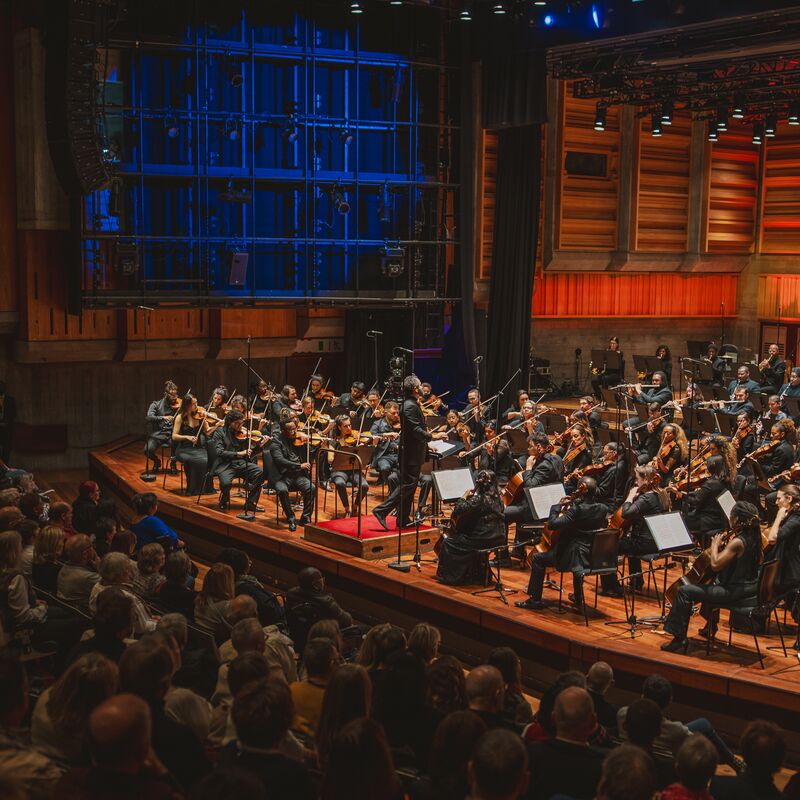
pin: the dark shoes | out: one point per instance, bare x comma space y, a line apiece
612, 593
381, 520
304, 520
530, 604
254, 509
676, 646
173, 468
705, 633
292, 524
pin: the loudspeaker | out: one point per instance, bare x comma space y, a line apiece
238, 272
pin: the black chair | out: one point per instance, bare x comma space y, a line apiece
603, 560
300, 618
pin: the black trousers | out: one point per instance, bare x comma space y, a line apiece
539, 564
681, 612
298, 483
343, 480
195, 464
402, 496
630, 547
425, 484
385, 466
253, 476
155, 441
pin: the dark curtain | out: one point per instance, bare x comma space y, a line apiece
397, 326
516, 228
514, 88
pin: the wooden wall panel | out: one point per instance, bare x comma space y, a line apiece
662, 199
587, 206
732, 191
260, 323
488, 193
779, 297
780, 231
168, 323
646, 295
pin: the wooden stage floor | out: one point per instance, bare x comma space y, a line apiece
729, 682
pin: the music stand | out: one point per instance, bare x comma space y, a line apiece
451, 484
542, 498
707, 421
553, 423
701, 371
612, 360
641, 411
755, 373
653, 364
598, 358
690, 420
640, 363
720, 393
697, 349
442, 448
606, 436
517, 441
726, 502
609, 397
671, 535
759, 401
434, 421
727, 424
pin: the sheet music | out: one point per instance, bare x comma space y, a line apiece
669, 531
452, 483
542, 498
726, 503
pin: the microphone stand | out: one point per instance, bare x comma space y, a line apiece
477, 362
499, 398
147, 476
374, 336
248, 516
399, 565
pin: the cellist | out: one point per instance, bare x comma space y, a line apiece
735, 559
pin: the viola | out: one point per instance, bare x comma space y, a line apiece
355, 439
570, 456
549, 538
617, 521
301, 439
760, 452
324, 394
315, 418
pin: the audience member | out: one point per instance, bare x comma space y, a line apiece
104, 530
147, 527
148, 576
369, 645
59, 725
628, 774
47, 549
424, 641
146, 669
27, 530
116, 569
60, 515
212, 604
320, 659
123, 542
447, 690
485, 692
124, 766
599, 679
695, 766
360, 765
262, 713
498, 769
31, 769
567, 764
270, 611
643, 723
79, 574
328, 629
31, 506
174, 593
543, 725
113, 625
308, 602
763, 747
516, 709
10, 517
84, 507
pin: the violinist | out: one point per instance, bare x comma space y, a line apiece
189, 431
773, 414
345, 440
649, 435
671, 452
431, 401
262, 405
514, 413
604, 377
233, 460
286, 399
702, 512
773, 369
354, 401
527, 416
784, 541
779, 458
309, 419
476, 524
458, 431
475, 415
496, 456
215, 416
644, 499
290, 471
612, 482
542, 466
575, 519
578, 454
160, 416
386, 458
373, 410
586, 405
319, 392
735, 559
743, 440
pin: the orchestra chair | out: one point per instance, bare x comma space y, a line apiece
180, 476
763, 604
603, 560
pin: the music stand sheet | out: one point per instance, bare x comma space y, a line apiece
444, 447
542, 498
451, 484
669, 531
726, 503
609, 397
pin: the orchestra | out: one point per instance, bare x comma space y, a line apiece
636, 469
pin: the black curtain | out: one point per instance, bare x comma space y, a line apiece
514, 87
397, 326
516, 229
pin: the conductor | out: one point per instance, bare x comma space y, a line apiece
414, 438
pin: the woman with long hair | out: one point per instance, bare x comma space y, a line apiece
189, 432
672, 451
476, 524
700, 507
211, 605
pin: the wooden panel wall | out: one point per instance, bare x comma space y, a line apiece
662, 208
779, 297
8, 190
651, 294
732, 191
587, 206
487, 195
780, 230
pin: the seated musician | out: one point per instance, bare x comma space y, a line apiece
613, 481
290, 471
742, 379
743, 440
315, 386
644, 499
739, 403
783, 543
475, 415
773, 369
263, 401
791, 389
649, 435
576, 456
586, 405
476, 524
286, 399
309, 419
778, 458
233, 461
736, 566
671, 453
665, 357
496, 456
542, 467
189, 431
353, 402
660, 393
702, 512
773, 414
574, 519
603, 376
372, 411
514, 413
528, 423
343, 479
438, 406
160, 416
386, 458
717, 364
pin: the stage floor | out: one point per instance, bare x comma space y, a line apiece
729, 681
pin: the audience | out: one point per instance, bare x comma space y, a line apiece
123, 542
644, 723
320, 660
447, 689
174, 594
48, 546
485, 690
270, 611
424, 641
695, 766
498, 768
599, 679
147, 527
31, 506
516, 709
308, 602
60, 515
212, 604
116, 569
84, 507
79, 575
628, 774
113, 626
348, 696
27, 530
148, 577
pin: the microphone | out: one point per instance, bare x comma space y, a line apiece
477, 359
146, 308
373, 334
404, 350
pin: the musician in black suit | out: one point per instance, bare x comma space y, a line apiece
8, 415
475, 415
650, 434
778, 460
233, 461
386, 458
773, 368
612, 483
160, 416
354, 401
784, 541
791, 389
414, 438
291, 472
742, 379
574, 522
542, 467
660, 393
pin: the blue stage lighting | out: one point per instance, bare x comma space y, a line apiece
595, 15
549, 19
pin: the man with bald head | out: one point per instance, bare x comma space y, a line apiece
124, 765
599, 679
485, 690
567, 764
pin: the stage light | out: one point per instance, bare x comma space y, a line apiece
499, 8
289, 132
540, 2
339, 203
794, 113
235, 77
171, 127
655, 125
465, 16
356, 7
713, 132
595, 16
771, 126
758, 132
722, 119
549, 19
600, 117
738, 107
346, 135
395, 2
232, 130
666, 112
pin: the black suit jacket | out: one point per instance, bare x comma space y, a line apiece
574, 543
284, 459
9, 410
226, 447
550, 469
385, 447
414, 436
774, 373
155, 415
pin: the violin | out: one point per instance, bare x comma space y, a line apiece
325, 394
570, 456
741, 434
301, 439
760, 452
175, 404
355, 439
256, 437
617, 521
591, 470
549, 538
316, 418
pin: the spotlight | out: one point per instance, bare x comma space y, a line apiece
549, 19
794, 113
758, 132
771, 126
666, 112
171, 127
232, 130
392, 259
655, 125
395, 2
346, 135
713, 132
600, 117
465, 16
499, 8
356, 7
540, 2
595, 15
738, 107
722, 119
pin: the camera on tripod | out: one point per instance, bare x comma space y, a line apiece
394, 384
